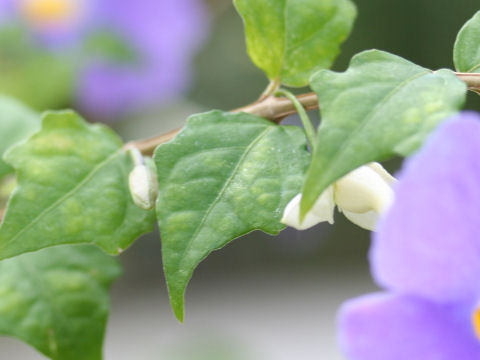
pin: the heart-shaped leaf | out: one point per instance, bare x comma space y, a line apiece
223, 176
72, 188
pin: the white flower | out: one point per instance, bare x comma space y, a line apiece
362, 195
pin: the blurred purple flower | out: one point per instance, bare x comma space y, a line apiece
162, 34
427, 254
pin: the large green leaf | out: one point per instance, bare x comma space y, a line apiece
466, 52
223, 176
17, 122
291, 39
56, 300
72, 188
382, 105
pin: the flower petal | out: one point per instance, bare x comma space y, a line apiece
389, 327
322, 211
428, 244
367, 220
364, 189
164, 34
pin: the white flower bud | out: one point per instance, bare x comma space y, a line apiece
362, 195
142, 181
143, 187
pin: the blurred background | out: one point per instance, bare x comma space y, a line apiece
143, 66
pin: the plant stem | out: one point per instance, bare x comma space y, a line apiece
271, 108
472, 80
276, 109
307, 123
270, 90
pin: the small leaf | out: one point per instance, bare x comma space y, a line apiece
56, 300
290, 40
17, 122
381, 106
72, 188
466, 51
223, 176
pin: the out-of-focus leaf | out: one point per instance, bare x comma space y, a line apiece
72, 188
381, 106
56, 300
17, 122
108, 45
290, 40
223, 176
33, 75
466, 52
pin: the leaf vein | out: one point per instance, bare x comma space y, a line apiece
65, 196
222, 191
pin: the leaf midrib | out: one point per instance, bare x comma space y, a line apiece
366, 121
474, 68
220, 194
62, 198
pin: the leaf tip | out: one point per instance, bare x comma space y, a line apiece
305, 207
178, 308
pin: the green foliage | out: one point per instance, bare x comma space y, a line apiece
72, 188
33, 75
108, 45
466, 52
381, 106
290, 40
223, 176
17, 122
56, 300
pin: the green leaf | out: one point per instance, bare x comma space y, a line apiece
41, 78
17, 122
56, 300
290, 40
72, 188
223, 176
466, 52
381, 106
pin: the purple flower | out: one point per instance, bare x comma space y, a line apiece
163, 35
426, 253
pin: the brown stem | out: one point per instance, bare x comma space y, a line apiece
276, 109
472, 80
271, 108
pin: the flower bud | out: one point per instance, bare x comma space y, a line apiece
143, 187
